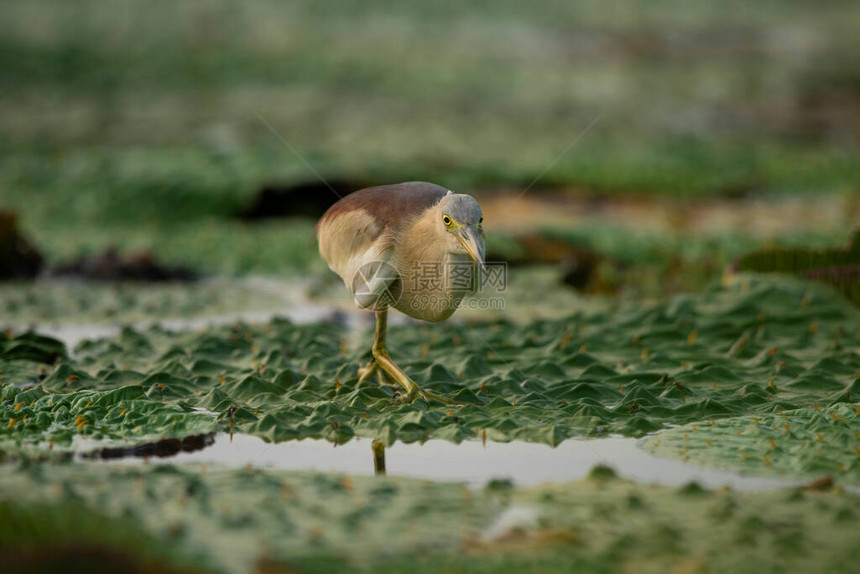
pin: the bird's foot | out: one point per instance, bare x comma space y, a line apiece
389, 373
418, 393
409, 390
367, 372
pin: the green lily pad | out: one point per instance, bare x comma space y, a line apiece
754, 349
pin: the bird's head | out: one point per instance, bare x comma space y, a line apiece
460, 221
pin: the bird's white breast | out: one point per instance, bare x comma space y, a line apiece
429, 292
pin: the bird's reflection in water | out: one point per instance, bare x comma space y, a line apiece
378, 457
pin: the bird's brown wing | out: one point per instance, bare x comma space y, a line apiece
388, 205
360, 228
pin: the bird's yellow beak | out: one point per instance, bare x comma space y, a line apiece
473, 243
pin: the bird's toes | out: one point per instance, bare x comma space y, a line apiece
404, 397
401, 396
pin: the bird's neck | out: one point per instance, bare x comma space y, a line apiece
422, 242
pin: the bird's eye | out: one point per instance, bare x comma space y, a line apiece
480, 221
446, 220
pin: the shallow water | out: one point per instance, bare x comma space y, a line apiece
471, 461
73, 334
296, 306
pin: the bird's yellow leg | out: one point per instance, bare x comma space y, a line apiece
384, 362
366, 372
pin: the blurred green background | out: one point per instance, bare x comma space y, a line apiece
658, 143
142, 125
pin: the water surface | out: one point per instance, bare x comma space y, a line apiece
525, 464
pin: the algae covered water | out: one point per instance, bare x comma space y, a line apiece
750, 386
774, 360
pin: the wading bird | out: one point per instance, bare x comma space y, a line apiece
412, 246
